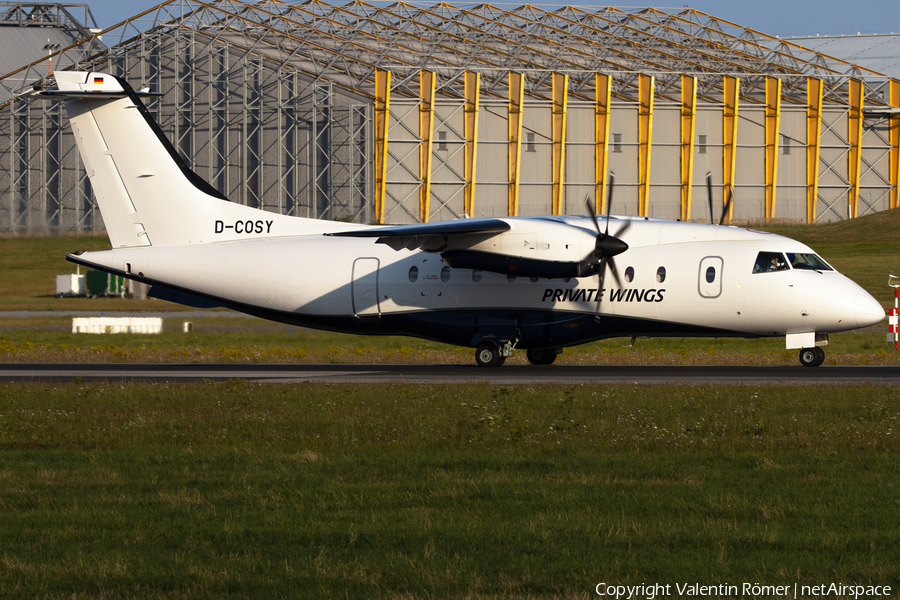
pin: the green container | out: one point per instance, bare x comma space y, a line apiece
98, 283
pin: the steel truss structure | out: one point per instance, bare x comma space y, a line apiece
413, 112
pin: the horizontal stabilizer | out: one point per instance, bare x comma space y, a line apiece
60, 95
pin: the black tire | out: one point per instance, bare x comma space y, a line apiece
821, 353
488, 355
540, 356
812, 357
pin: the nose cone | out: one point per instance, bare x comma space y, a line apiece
868, 310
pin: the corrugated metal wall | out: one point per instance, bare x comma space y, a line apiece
834, 180
535, 191
265, 137
448, 181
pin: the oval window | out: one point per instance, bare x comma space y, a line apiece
629, 275
710, 274
413, 274
445, 274
476, 275
660, 275
535, 279
510, 278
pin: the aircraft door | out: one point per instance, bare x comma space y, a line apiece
709, 282
364, 288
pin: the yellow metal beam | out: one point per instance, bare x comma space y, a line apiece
732, 93
603, 85
516, 101
814, 95
646, 85
560, 108
773, 124
382, 116
855, 126
894, 166
688, 127
426, 134
473, 88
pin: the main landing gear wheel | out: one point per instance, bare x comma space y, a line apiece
540, 356
488, 355
812, 357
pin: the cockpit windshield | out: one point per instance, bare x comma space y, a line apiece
769, 262
810, 262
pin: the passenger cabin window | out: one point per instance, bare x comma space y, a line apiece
629, 275
413, 274
476, 275
809, 262
710, 274
769, 262
445, 274
660, 275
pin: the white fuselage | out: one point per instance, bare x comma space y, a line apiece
708, 286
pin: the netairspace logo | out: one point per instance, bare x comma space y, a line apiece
649, 591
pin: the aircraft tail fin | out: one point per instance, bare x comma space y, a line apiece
146, 193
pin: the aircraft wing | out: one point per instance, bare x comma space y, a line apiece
432, 237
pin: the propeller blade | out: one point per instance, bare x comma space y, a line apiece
727, 205
709, 195
609, 197
615, 271
602, 280
591, 211
625, 226
606, 246
601, 272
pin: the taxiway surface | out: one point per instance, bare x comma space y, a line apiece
441, 374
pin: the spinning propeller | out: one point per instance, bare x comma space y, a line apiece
607, 246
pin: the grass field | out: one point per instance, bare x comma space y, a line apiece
396, 491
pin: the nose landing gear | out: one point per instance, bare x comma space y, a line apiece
812, 357
488, 355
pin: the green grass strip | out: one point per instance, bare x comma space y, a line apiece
398, 491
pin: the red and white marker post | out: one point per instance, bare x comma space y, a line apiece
893, 335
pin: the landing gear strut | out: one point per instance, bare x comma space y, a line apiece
812, 357
541, 356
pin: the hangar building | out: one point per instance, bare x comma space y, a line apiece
421, 112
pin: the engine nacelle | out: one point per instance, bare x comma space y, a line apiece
531, 248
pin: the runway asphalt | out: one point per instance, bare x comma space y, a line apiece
442, 374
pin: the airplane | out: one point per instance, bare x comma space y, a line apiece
540, 284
